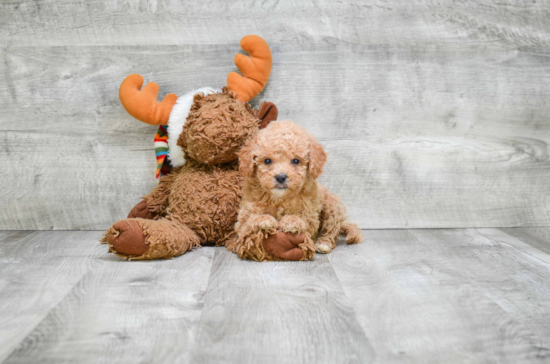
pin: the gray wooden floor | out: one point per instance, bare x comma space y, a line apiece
441, 296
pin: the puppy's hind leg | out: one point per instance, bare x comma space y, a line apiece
352, 233
333, 223
331, 218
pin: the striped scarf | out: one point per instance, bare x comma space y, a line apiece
161, 151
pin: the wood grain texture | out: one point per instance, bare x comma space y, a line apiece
279, 312
538, 237
435, 296
37, 271
117, 311
152, 22
434, 114
403, 296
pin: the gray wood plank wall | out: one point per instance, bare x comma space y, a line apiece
434, 113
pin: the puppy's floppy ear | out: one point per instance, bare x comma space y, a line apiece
317, 157
268, 113
247, 159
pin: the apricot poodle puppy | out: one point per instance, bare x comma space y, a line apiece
281, 194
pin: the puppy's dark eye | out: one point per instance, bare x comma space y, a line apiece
295, 161
267, 161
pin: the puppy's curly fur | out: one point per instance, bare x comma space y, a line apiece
281, 164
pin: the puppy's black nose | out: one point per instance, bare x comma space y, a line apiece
281, 178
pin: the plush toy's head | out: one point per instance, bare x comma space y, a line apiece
207, 125
218, 125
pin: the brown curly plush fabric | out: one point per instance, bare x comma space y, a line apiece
197, 203
142, 211
217, 127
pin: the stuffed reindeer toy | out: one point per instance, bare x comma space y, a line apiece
198, 201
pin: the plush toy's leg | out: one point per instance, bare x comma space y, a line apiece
141, 210
153, 205
259, 240
287, 246
294, 224
279, 246
139, 239
261, 246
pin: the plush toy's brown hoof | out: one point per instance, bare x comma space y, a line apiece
129, 240
285, 245
141, 211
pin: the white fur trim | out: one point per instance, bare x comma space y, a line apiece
178, 117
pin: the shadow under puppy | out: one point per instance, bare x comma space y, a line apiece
281, 164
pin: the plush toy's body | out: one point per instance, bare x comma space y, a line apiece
182, 217
197, 203
214, 214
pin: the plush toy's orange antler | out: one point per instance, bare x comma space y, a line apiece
255, 69
143, 104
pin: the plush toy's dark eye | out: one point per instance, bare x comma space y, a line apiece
267, 161
295, 161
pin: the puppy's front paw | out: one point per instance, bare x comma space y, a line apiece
322, 248
292, 224
266, 223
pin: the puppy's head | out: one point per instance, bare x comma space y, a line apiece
282, 157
